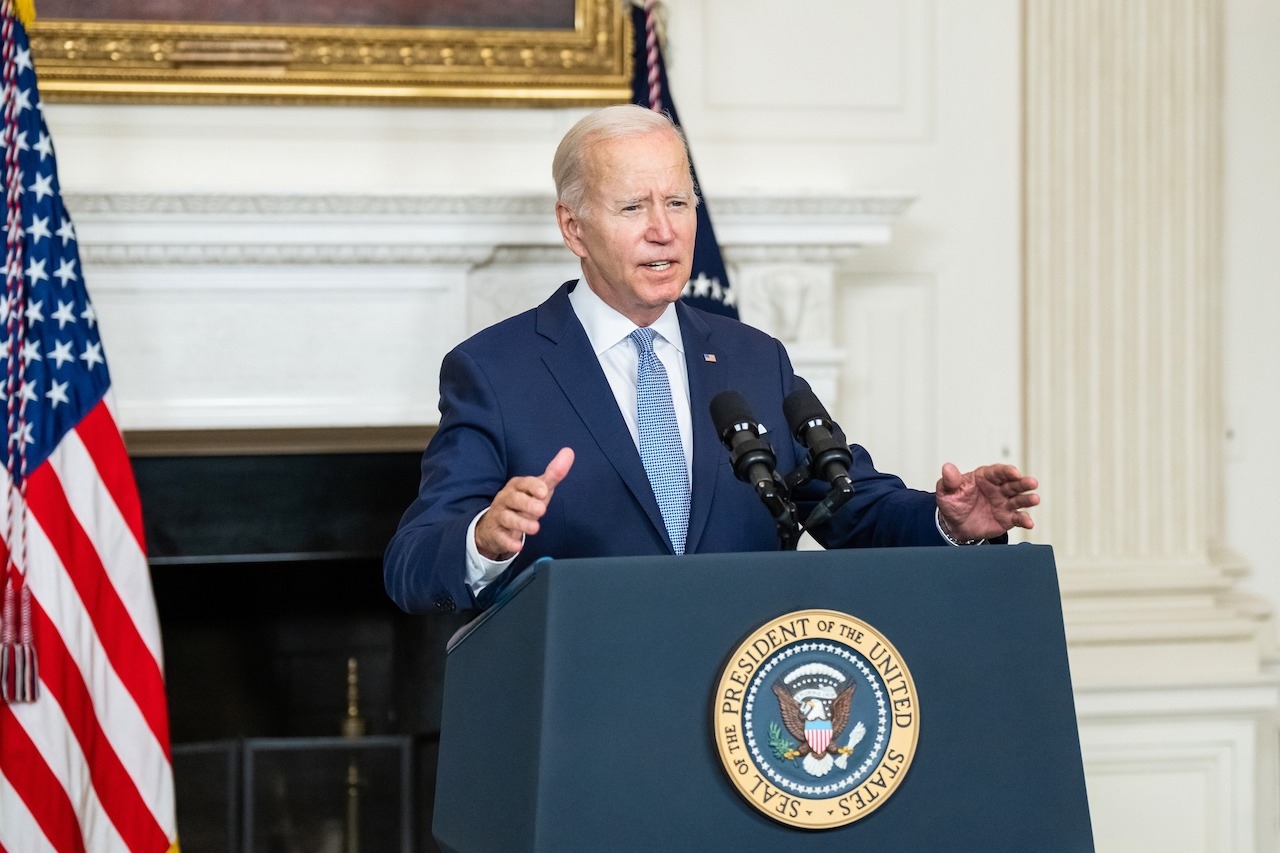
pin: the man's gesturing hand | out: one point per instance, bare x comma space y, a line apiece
516, 509
986, 502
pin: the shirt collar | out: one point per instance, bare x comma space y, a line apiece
605, 327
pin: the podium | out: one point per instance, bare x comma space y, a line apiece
582, 710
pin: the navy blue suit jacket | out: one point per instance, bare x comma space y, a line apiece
517, 392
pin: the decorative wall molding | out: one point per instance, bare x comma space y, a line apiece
288, 205
816, 254
879, 207
883, 207
1181, 768
229, 311
533, 255
292, 255
743, 223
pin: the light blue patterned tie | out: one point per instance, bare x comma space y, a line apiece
660, 446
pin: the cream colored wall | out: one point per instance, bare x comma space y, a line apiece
865, 96
1251, 381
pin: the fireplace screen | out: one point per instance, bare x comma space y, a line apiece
268, 583
295, 795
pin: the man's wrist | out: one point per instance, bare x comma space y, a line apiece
946, 532
480, 569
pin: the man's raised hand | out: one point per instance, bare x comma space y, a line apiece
516, 510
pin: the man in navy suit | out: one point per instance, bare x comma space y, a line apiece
538, 451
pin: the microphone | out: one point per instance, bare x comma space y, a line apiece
753, 459
829, 456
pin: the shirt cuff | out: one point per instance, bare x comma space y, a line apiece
481, 571
937, 520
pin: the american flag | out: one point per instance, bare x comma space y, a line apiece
708, 288
84, 732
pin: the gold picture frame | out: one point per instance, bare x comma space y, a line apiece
167, 62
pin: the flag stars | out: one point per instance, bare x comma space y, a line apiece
44, 145
56, 394
66, 231
42, 186
36, 272
23, 434
65, 314
51, 367
39, 229
92, 355
701, 285
61, 353
709, 287
66, 271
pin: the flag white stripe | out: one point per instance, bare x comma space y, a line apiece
121, 556
119, 715
19, 830
126, 729
47, 726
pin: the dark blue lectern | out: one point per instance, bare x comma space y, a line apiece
579, 710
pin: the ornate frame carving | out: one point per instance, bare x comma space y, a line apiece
145, 62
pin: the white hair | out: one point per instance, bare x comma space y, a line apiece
568, 167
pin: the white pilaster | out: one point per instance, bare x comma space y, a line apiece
1124, 412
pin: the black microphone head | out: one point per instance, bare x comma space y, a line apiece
802, 406
728, 409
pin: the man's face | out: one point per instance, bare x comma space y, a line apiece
636, 235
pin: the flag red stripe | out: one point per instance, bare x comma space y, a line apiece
124, 646
115, 788
26, 771
102, 439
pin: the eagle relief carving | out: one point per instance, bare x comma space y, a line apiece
814, 703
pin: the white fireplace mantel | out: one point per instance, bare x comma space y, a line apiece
245, 312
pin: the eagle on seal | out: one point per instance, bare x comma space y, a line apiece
816, 728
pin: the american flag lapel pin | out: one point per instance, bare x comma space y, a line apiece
709, 357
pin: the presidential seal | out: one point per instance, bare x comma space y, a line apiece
816, 719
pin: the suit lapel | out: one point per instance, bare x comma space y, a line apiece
576, 369
706, 379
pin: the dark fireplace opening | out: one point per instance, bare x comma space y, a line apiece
277, 630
